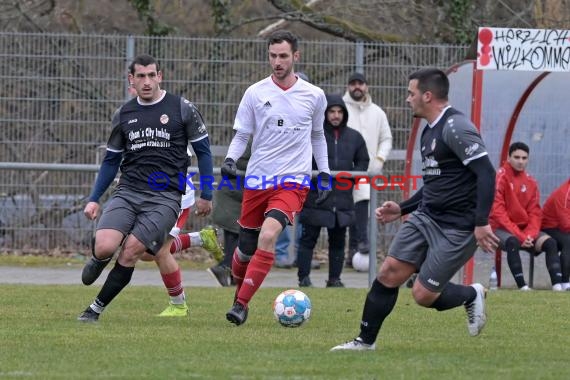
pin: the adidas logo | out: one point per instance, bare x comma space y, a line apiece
248, 281
267, 104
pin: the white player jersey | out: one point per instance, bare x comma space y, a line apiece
281, 122
188, 199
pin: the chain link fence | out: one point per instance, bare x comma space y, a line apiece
59, 93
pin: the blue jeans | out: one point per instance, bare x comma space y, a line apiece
282, 246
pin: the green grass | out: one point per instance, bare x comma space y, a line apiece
78, 261
41, 260
527, 337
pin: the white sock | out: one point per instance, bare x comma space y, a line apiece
96, 307
179, 299
195, 239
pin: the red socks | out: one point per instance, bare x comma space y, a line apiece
180, 242
173, 283
255, 273
238, 270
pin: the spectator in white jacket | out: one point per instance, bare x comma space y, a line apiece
371, 121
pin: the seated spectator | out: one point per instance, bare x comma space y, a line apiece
556, 223
346, 151
516, 217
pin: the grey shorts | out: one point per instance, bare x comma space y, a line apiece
504, 235
437, 253
148, 215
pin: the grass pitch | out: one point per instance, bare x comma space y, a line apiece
527, 337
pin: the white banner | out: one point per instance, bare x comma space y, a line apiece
523, 49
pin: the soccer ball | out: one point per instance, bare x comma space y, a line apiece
361, 262
292, 308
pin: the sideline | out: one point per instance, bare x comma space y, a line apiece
277, 278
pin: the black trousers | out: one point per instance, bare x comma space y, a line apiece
230, 245
563, 241
358, 232
309, 237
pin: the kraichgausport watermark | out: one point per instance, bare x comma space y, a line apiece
159, 181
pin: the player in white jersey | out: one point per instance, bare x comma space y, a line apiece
284, 114
278, 133
206, 238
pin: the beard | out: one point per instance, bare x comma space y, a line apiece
357, 95
282, 74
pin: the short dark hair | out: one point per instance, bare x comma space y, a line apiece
433, 80
143, 60
518, 145
283, 35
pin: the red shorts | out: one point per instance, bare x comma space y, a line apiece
256, 204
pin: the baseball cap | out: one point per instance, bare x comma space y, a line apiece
357, 76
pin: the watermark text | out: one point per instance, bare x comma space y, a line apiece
159, 181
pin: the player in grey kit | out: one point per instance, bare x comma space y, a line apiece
449, 217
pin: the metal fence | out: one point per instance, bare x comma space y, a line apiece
59, 92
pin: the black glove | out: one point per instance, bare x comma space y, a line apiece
324, 187
229, 168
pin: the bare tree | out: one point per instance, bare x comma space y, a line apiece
552, 13
282, 23
426, 21
330, 23
23, 14
454, 21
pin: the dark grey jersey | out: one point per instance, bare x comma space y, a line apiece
449, 191
154, 140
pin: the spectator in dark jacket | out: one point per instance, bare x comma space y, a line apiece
227, 208
346, 152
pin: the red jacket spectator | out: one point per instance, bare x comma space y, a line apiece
556, 211
516, 207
